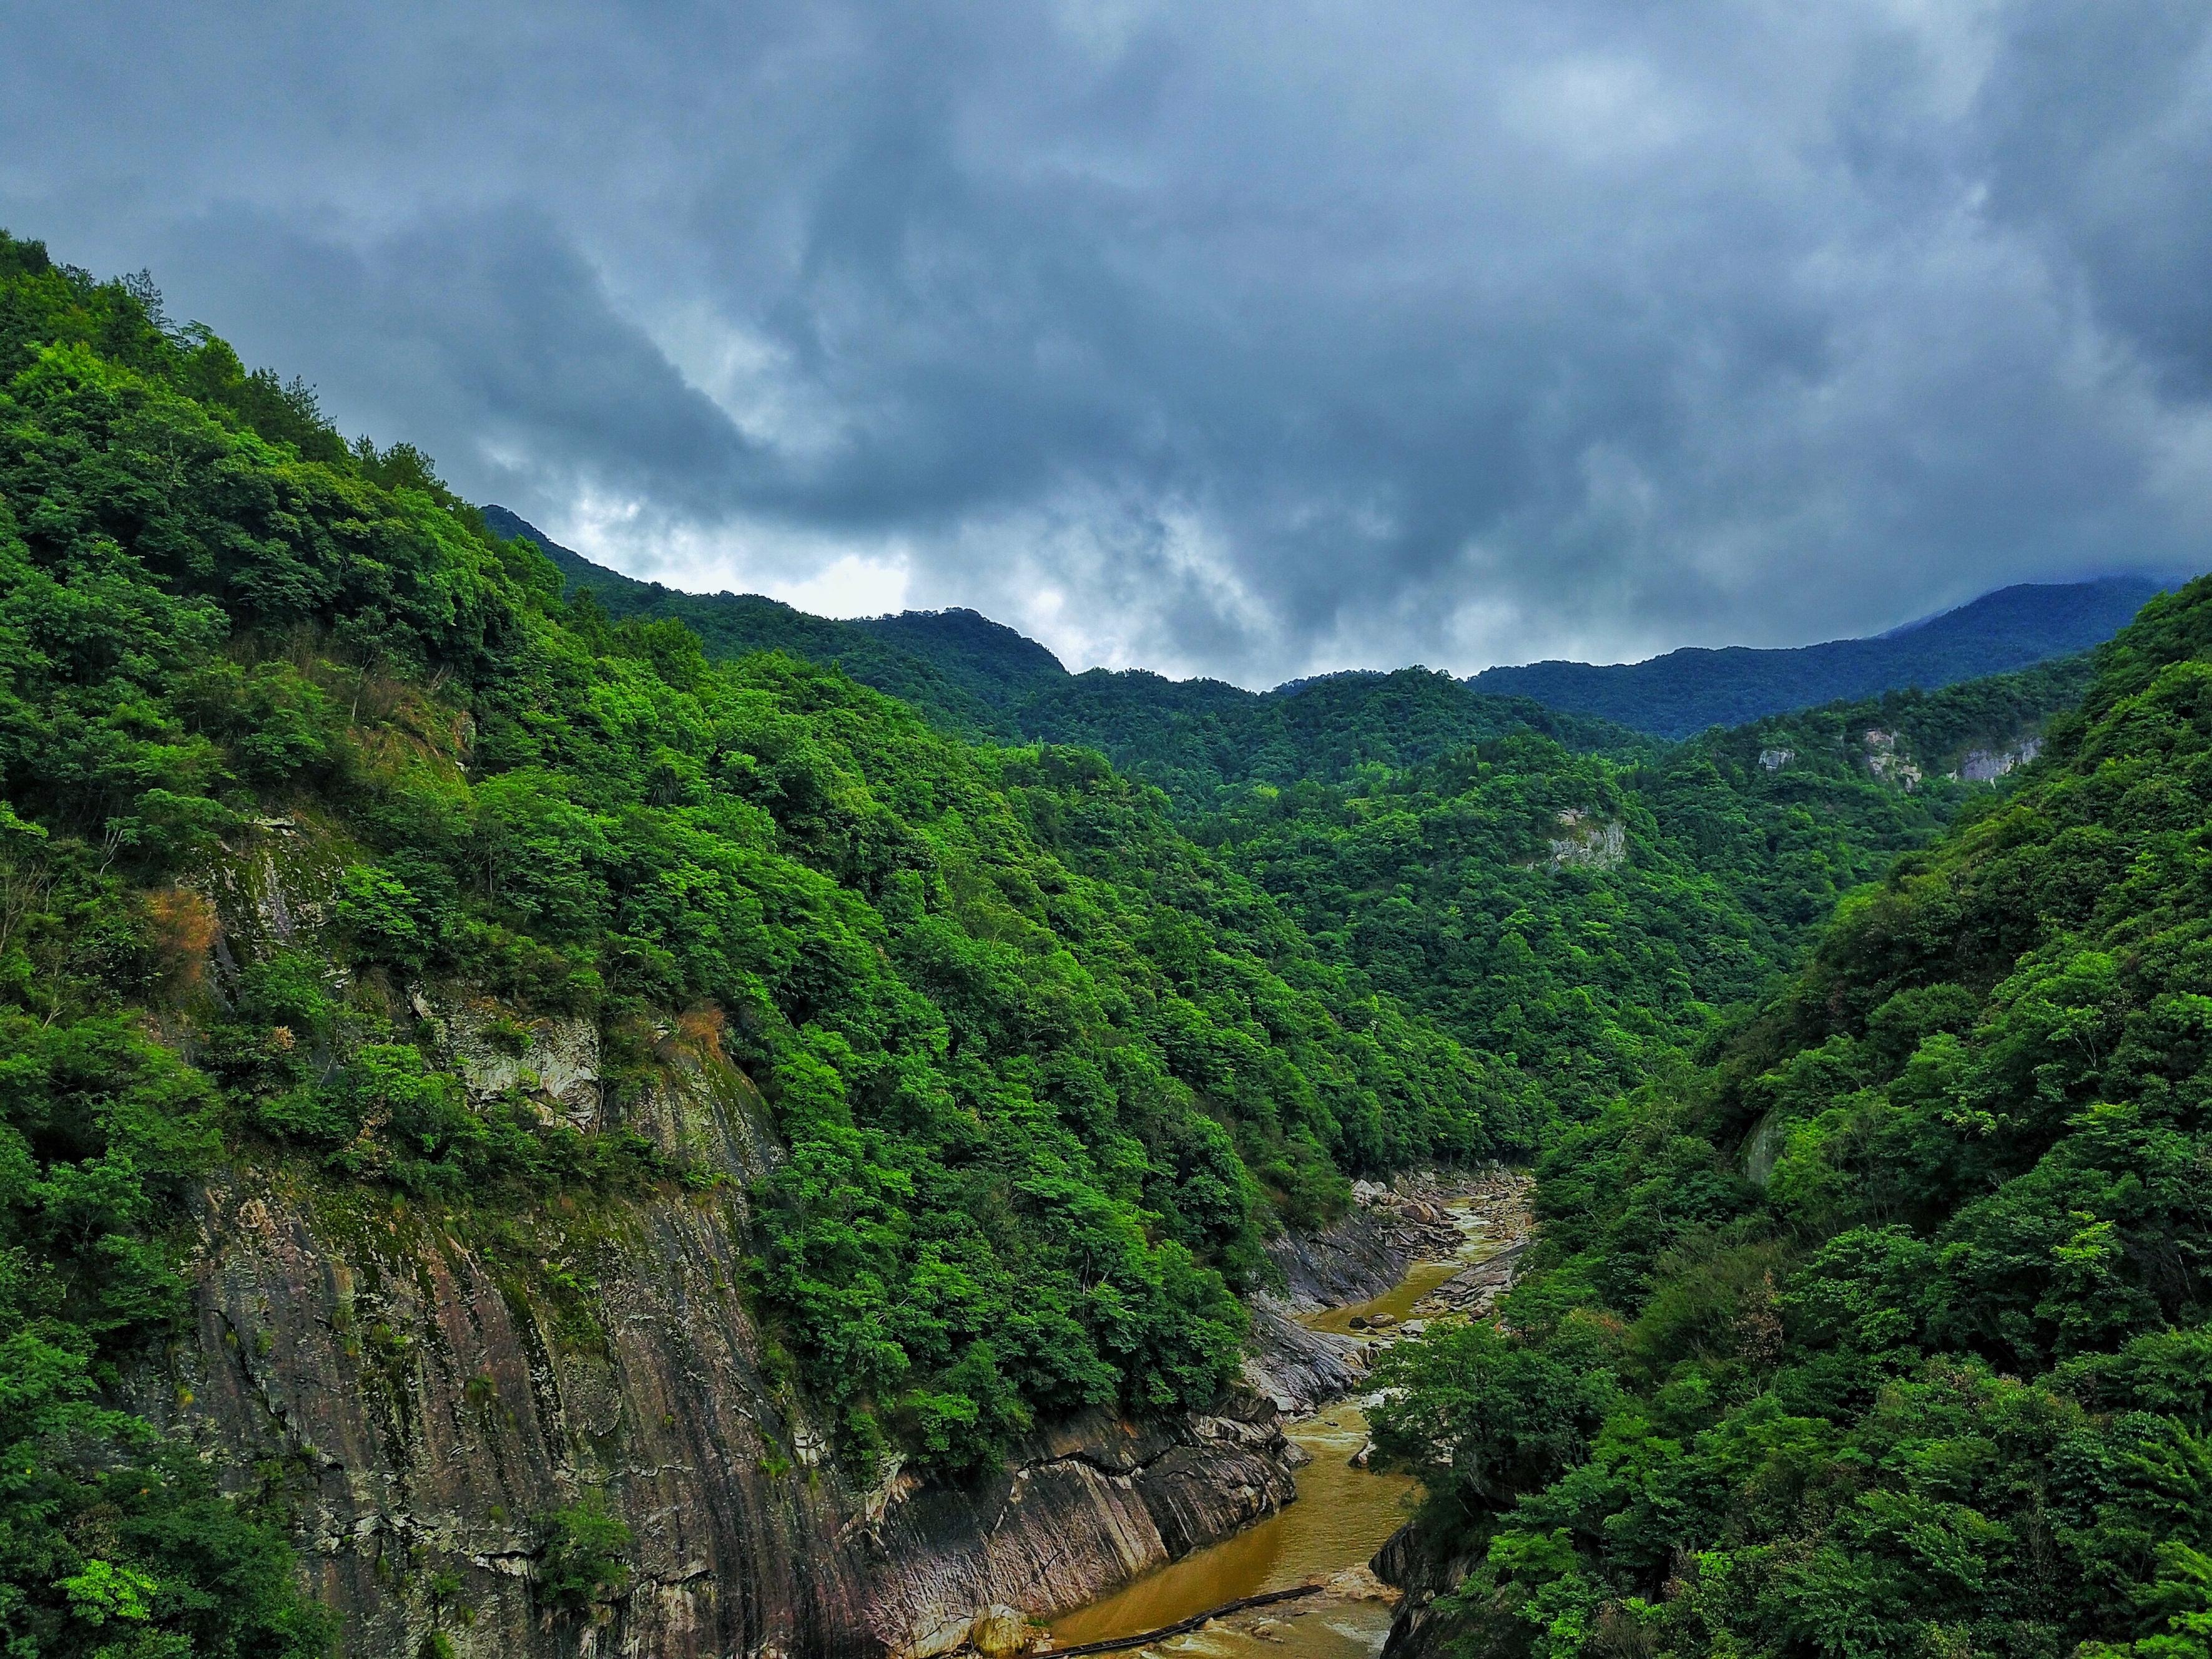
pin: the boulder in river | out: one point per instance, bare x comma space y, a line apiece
999, 1630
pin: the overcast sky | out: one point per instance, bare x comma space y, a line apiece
1253, 340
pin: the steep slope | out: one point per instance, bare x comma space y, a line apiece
1886, 1331
1685, 692
961, 669
604, 1144
1193, 738
1587, 915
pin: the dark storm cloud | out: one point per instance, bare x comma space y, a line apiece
1248, 339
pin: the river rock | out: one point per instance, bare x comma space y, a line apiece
1360, 1583
999, 1630
1296, 1368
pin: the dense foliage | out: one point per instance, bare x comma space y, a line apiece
1047, 1071
1200, 741
963, 671
1883, 1332
1689, 691
1052, 1050
1206, 743
1581, 916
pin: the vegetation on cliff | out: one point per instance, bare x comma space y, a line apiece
1045, 1070
1049, 1050
1883, 1330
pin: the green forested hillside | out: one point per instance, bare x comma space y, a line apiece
1193, 738
1054, 1040
962, 670
1205, 743
1046, 1070
1884, 1331
1197, 740
1582, 915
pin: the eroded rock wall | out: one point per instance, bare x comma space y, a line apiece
425, 1384
428, 1391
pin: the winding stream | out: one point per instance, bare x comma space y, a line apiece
1341, 1516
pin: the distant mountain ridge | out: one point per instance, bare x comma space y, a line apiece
1193, 738
957, 666
983, 678
1688, 690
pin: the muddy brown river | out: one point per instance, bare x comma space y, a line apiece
1341, 1516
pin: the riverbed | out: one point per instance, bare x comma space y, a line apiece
1341, 1516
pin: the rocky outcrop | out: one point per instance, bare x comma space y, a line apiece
1088, 1506
1417, 1217
1475, 1288
1889, 760
1418, 1630
1987, 765
1388, 1229
431, 1395
1587, 843
1297, 1369
429, 1385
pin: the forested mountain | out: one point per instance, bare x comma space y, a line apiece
1557, 891
1587, 913
1043, 1071
1194, 737
386, 899
1685, 692
1883, 1331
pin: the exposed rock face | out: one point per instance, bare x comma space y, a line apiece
1987, 765
1474, 1289
1388, 1229
1087, 1506
1589, 843
554, 1060
1888, 761
1419, 1631
428, 1385
1295, 1368
1775, 760
1762, 1148
432, 1396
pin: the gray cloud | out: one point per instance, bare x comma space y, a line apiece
1242, 339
